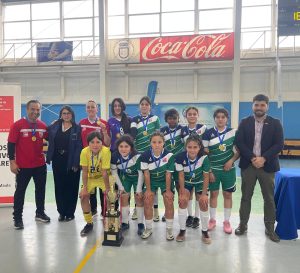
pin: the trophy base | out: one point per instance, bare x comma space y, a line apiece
113, 239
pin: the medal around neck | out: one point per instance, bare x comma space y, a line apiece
222, 147
112, 219
33, 138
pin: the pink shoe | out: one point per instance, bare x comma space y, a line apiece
211, 224
226, 227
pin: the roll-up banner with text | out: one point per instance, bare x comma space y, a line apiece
10, 111
169, 49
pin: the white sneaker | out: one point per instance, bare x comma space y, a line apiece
147, 232
156, 215
134, 214
169, 234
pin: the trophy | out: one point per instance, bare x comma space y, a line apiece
112, 224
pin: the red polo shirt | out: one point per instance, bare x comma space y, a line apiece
29, 153
88, 127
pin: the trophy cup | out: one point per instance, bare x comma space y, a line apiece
112, 224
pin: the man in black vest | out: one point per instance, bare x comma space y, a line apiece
259, 140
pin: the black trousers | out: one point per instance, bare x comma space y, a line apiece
66, 184
39, 175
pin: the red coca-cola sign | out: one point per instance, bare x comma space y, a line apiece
190, 48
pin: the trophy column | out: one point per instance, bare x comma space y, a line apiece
112, 224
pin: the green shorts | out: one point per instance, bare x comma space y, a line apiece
227, 179
198, 187
175, 177
162, 185
128, 184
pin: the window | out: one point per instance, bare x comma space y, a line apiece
75, 9
45, 11
178, 21
46, 29
144, 23
144, 6
216, 19
177, 5
78, 27
17, 13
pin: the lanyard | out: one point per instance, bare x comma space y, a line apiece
172, 135
192, 172
221, 138
145, 124
159, 160
33, 129
94, 164
123, 170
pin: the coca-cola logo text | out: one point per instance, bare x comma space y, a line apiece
187, 48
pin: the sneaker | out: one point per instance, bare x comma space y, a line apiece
163, 219
124, 226
169, 234
94, 213
141, 229
134, 214
227, 227
18, 224
156, 215
189, 221
42, 217
211, 224
196, 222
146, 233
181, 236
61, 218
87, 229
205, 237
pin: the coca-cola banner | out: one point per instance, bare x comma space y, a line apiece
191, 48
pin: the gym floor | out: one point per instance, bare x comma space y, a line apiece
58, 248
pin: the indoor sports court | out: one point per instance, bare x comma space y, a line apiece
120, 121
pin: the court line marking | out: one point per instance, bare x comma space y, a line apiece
88, 256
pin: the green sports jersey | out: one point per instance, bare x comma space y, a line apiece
193, 169
173, 139
219, 155
127, 169
157, 166
142, 128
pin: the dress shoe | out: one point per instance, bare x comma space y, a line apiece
241, 229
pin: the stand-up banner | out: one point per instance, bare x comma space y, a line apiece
172, 49
10, 111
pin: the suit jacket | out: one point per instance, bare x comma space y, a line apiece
271, 142
75, 144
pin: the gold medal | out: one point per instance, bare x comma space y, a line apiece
222, 147
172, 145
157, 174
33, 138
123, 177
145, 133
118, 135
98, 122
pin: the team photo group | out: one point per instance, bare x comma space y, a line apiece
142, 157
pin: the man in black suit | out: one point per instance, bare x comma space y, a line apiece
259, 140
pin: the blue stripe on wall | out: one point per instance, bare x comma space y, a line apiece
287, 114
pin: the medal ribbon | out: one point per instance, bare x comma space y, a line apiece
172, 135
123, 170
33, 130
221, 138
145, 124
190, 167
159, 160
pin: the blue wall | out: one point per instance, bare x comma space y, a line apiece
287, 114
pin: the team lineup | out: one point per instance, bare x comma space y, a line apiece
192, 161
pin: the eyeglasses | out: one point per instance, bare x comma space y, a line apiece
66, 113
